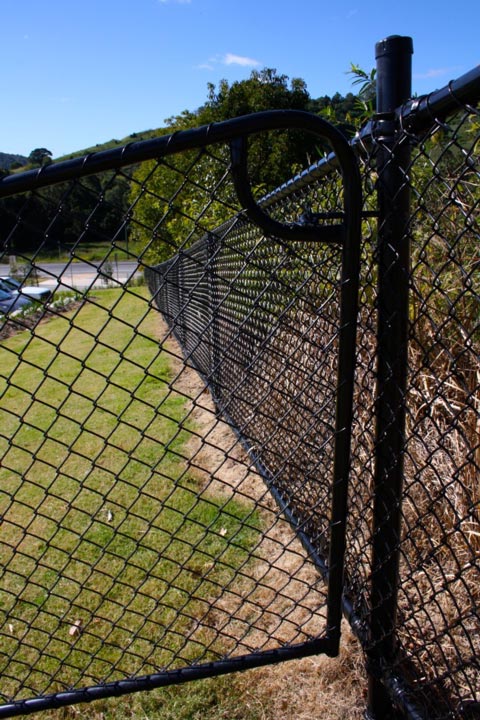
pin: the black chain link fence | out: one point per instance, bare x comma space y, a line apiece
439, 622
167, 483
432, 669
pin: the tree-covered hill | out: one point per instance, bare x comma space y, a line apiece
7, 160
113, 143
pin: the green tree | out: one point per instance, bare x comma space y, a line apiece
188, 196
40, 156
264, 90
342, 111
366, 99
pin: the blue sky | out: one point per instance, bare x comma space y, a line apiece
80, 72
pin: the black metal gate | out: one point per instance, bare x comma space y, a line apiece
138, 546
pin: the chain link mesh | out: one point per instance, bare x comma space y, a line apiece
439, 623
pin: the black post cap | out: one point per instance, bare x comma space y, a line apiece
393, 45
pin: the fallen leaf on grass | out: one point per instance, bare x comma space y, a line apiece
76, 628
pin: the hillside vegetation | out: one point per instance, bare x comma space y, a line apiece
276, 158
342, 109
7, 160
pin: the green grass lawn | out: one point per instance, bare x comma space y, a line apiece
101, 522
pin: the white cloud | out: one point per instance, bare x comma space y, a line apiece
228, 59
435, 72
231, 59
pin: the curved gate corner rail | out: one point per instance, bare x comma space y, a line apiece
174, 485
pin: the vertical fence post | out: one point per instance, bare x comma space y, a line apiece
393, 57
214, 368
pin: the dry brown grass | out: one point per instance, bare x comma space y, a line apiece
440, 576
311, 688
297, 690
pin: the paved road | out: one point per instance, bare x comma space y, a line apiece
80, 275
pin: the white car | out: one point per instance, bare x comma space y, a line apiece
11, 302
16, 287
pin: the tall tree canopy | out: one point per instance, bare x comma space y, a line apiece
273, 158
40, 156
264, 90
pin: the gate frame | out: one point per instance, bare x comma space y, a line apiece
346, 234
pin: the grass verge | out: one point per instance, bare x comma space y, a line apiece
110, 551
